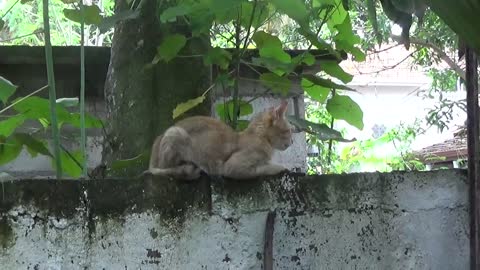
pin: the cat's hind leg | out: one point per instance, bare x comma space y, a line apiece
172, 155
174, 148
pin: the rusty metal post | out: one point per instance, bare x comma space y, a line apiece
473, 156
268, 242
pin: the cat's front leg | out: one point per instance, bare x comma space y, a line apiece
270, 169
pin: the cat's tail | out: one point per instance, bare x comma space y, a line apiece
171, 149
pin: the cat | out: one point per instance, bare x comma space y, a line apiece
201, 143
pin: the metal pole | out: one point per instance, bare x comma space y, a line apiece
473, 156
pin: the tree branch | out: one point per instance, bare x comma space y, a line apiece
441, 54
385, 68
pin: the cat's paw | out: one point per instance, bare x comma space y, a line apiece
272, 169
191, 172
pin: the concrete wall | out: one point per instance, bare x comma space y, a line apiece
358, 221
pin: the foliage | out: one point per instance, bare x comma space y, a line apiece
327, 160
242, 25
37, 109
368, 152
434, 45
50, 114
461, 16
23, 23
443, 82
391, 151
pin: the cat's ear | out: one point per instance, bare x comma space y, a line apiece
279, 111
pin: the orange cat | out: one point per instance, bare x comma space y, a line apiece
206, 144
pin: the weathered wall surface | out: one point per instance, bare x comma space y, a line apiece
359, 221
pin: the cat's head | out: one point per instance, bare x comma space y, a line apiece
273, 125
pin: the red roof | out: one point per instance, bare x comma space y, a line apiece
448, 150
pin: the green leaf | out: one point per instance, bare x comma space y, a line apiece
225, 10
345, 32
90, 121
224, 79
263, 39
294, 9
217, 56
333, 69
462, 17
201, 19
69, 1
270, 47
109, 22
242, 125
344, 108
317, 92
276, 53
326, 83
171, 14
36, 108
33, 145
276, 83
44, 122
7, 127
71, 163
337, 16
320, 3
6, 89
358, 55
68, 102
2, 24
225, 110
274, 65
10, 148
318, 42
170, 47
346, 40
322, 131
262, 13
186, 106
25, 1
305, 57
92, 14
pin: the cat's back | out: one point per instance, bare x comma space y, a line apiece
200, 124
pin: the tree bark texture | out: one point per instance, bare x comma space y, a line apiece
140, 101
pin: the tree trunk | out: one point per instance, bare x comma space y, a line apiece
140, 101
